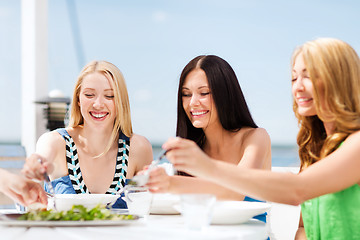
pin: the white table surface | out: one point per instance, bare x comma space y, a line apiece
157, 227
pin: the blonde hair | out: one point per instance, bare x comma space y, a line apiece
334, 69
121, 99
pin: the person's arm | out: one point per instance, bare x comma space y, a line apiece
160, 182
285, 188
21, 189
257, 154
49, 157
300, 234
140, 154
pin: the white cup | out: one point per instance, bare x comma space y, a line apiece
196, 210
138, 200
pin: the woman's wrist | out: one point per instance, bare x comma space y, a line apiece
172, 185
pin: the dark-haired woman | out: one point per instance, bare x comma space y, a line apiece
214, 122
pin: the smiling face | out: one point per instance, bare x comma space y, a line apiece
302, 88
96, 100
197, 99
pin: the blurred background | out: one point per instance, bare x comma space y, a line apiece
151, 42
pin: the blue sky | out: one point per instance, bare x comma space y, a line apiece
151, 42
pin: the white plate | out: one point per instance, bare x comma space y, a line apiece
66, 201
164, 204
10, 220
237, 212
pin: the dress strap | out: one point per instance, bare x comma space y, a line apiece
73, 163
123, 136
75, 175
63, 132
122, 160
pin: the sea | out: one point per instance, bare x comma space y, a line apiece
281, 155
12, 156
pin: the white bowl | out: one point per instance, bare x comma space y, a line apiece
164, 203
65, 202
237, 212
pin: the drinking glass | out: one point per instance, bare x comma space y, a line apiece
20, 208
196, 210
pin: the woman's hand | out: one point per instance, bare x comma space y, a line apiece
187, 156
21, 189
159, 181
35, 166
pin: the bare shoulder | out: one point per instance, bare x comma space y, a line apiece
352, 142
50, 139
256, 135
140, 151
354, 136
256, 147
51, 146
139, 142
257, 131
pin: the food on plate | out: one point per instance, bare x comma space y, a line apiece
76, 213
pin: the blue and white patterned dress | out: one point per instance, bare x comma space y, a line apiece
73, 183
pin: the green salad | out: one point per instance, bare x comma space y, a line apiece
76, 213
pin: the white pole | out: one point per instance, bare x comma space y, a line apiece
34, 73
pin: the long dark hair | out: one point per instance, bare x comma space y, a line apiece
229, 100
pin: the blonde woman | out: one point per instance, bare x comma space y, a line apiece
98, 151
326, 92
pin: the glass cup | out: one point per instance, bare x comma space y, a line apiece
20, 208
138, 200
196, 210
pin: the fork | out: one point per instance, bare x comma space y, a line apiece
141, 180
51, 188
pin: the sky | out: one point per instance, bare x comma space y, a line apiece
151, 41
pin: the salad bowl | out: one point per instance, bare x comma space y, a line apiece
65, 202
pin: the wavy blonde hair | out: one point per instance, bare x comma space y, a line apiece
334, 69
121, 99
